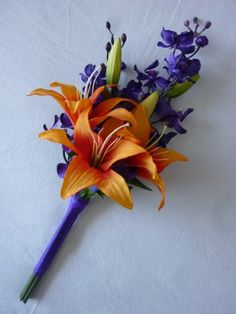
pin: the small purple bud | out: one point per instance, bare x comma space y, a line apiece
123, 66
108, 25
108, 47
187, 23
123, 38
208, 24
201, 41
195, 20
112, 39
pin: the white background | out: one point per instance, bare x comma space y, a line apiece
115, 261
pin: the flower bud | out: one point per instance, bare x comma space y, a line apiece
201, 41
114, 63
187, 23
150, 102
208, 24
108, 25
108, 46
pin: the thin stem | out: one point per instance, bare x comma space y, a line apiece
29, 287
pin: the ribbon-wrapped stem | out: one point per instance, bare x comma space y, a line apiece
76, 206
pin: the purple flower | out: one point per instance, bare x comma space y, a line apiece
61, 169
100, 79
65, 121
54, 125
88, 70
183, 41
171, 117
134, 91
181, 67
166, 138
151, 77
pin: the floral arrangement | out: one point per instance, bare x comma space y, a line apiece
113, 137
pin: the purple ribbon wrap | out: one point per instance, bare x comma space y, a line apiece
76, 206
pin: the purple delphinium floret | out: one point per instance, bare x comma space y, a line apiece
61, 169
171, 117
151, 78
181, 67
183, 41
100, 78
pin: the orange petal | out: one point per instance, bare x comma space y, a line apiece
162, 188
143, 128
79, 176
122, 150
119, 114
115, 187
107, 105
58, 97
83, 135
73, 105
109, 125
163, 157
143, 161
160, 184
58, 136
98, 92
69, 91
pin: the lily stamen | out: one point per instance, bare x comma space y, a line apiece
159, 138
87, 86
99, 154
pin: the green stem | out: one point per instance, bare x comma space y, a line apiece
29, 287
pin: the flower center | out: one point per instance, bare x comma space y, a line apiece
101, 147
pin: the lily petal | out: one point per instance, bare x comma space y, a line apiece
96, 94
83, 135
120, 114
58, 136
99, 91
160, 184
162, 188
122, 150
107, 105
143, 161
115, 187
57, 96
142, 130
111, 124
69, 91
79, 176
163, 157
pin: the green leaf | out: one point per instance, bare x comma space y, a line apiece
138, 183
149, 103
180, 88
71, 154
114, 63
88, 193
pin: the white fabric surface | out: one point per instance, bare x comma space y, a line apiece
181, 260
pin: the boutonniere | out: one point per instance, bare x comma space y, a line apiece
113, 137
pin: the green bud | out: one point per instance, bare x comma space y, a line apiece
114, 63
150, 102
180, 88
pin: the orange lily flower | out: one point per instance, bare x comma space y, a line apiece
161, 157
95, 155
72, 104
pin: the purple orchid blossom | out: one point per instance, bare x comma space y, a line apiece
171, 117
181, 67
